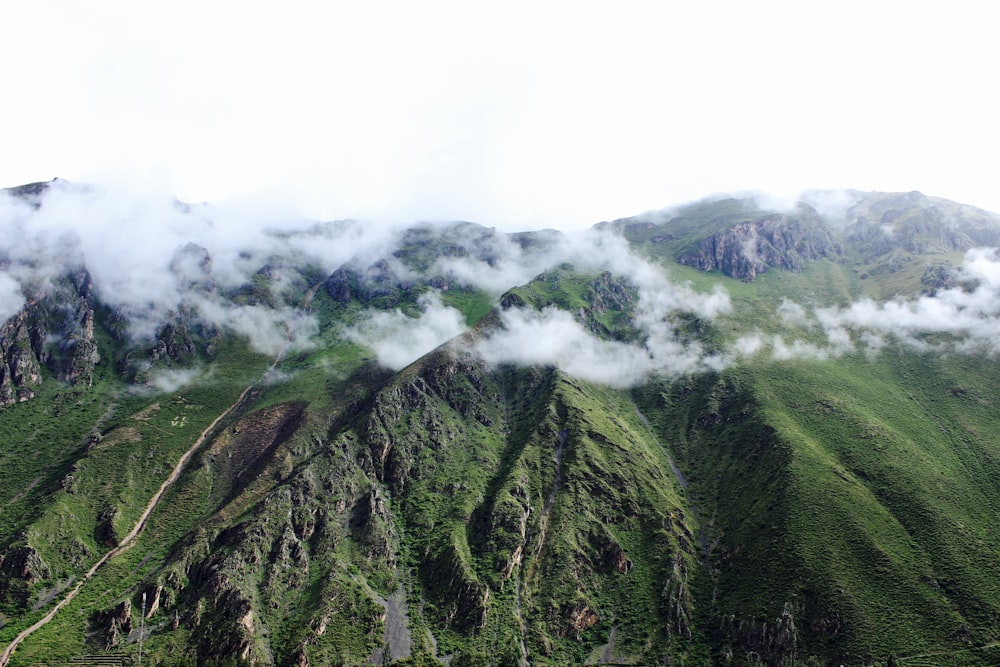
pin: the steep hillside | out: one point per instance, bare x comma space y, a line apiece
719, 434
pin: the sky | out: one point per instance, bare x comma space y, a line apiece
519, 115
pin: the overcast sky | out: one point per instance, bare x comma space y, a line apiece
513, 114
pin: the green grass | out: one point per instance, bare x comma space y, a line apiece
475, 305
863, 495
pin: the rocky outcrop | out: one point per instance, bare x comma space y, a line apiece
105, 532
376, 285
78, 346
55, 330
912, 223
23, 562
677, 596
191, 266
20, 369
20, 568
612, 306
114, 625
777, 241
774, 643
939, 277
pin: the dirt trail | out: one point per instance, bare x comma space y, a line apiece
129, 539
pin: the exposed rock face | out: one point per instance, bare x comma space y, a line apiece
55, 330
77, 344
192, 268
774, 644
752, 247
115, 624
915, 224
25, 563
174, 343
20, 567
105, 532
378, 284
20, 369
939, 277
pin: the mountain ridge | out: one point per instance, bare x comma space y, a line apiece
766, 478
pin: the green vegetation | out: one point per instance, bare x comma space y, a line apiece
836, 511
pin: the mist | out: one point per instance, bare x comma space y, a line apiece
11, 298
148, 254
960, 319
170, 380
398, 339
552, 337
557, 338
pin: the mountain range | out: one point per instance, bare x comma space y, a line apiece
738, 431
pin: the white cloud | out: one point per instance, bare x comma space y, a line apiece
269, 331
515, 115
797, 349
747, 346
144, 251
968, 315
554, 337
792, 314
169, 380
398, 340
11, 298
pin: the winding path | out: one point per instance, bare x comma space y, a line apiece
129, 539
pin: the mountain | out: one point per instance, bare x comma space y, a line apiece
725, 433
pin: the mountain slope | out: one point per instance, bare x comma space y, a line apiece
745, 460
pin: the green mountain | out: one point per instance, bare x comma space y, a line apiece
716, 434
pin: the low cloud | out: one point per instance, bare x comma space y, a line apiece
969, 314
747, 346
150, 255
269, 331
129, 243
169, 380
554, 337
792, 314
503, 264
960, 319
398, 339
11, 298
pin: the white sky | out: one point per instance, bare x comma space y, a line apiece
514, 114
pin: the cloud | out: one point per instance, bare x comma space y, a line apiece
556, 338
11, 298
747, 346
970, 313
269, 331
499, 262
169, 380
831, 204
960, 319
552, 337
148, 254
797, 349
398, 339
792, 314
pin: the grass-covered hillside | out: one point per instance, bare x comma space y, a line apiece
713, 435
